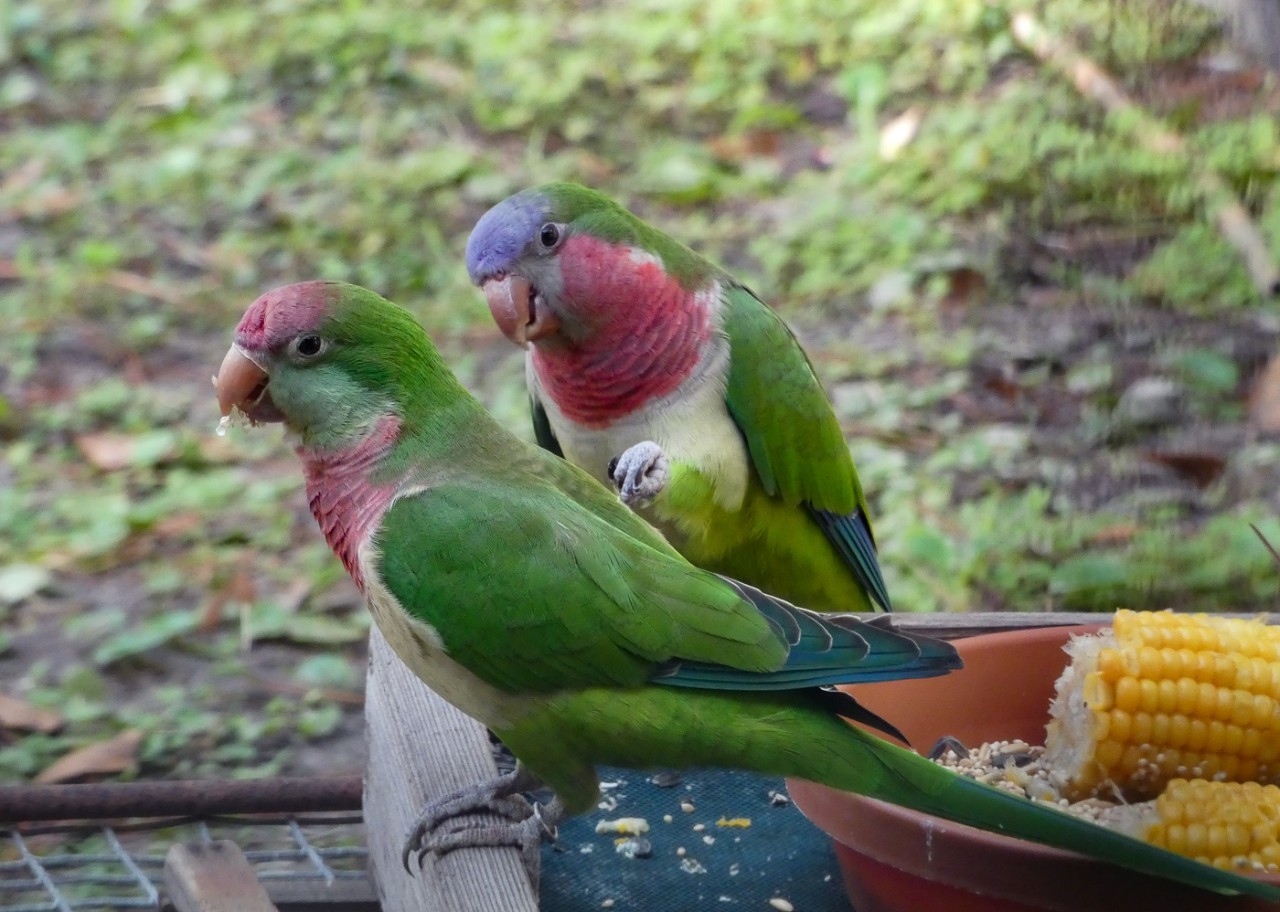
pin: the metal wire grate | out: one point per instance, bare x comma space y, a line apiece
68, 867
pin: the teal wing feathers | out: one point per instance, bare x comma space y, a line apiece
851, 535
823, 650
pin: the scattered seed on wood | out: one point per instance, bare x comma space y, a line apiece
781, 904
628, 826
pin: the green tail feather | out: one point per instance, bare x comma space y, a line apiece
910, 780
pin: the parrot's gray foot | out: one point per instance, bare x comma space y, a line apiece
526, 835
640, 474
500, 796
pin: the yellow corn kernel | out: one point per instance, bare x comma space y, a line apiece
1163, 695
1226, 824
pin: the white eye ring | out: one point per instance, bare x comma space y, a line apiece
550, 235
308, 346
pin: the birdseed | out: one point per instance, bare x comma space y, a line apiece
1016, 766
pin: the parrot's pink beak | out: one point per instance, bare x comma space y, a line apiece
515, 305
242, 385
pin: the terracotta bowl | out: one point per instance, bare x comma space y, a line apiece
897, 860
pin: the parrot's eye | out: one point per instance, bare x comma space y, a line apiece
549, 235
308, 346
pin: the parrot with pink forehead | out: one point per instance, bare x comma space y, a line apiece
653, 369
520, 590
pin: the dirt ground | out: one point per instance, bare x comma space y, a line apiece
1112, 409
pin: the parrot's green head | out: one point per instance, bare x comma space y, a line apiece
330, 361
555, 262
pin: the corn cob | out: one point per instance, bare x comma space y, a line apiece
1232, 825
1164, 695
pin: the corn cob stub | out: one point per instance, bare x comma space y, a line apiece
1232, 825
1164, 695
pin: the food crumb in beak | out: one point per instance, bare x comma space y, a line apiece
237, 419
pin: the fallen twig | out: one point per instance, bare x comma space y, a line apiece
1232, 219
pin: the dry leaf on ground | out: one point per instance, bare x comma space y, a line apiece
1202, 469
112, 452
115, 755
19, 715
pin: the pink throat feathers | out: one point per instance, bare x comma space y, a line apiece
649, 334
344, 500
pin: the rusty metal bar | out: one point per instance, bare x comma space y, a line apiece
185, 798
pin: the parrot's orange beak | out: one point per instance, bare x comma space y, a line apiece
242, 385
514, 304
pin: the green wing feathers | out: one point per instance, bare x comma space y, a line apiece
774, 396
795, 442
598, 598
589, 605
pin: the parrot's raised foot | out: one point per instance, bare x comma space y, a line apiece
500, 795
640, 474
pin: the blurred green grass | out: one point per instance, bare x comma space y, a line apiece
984, 301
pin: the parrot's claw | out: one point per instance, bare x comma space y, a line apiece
640, 474
500, 796
947, 744
526, 835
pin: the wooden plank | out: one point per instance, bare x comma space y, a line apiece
312, 895
348, 894
213, 877
421, 748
